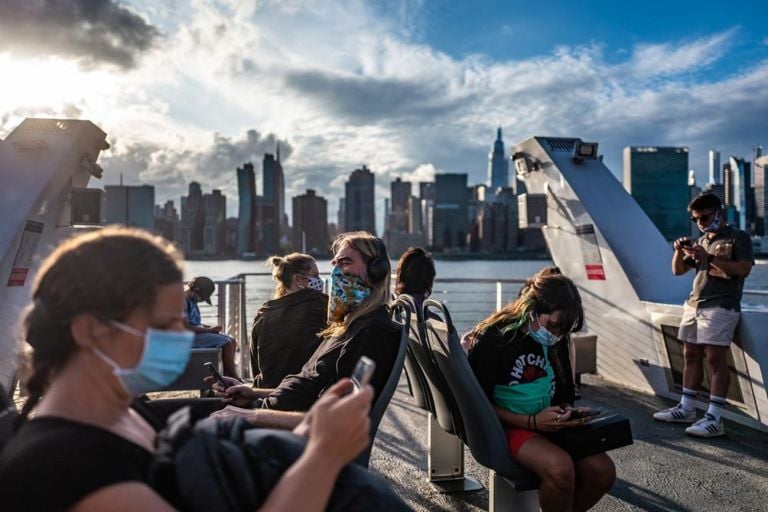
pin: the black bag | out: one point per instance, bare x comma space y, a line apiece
596, 436
228, 465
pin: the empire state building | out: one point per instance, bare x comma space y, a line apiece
498, 166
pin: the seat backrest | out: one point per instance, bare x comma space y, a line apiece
417, 381
195, 372
444, 404
8, 416
484, 434
401, 311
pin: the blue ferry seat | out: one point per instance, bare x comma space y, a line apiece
195, 372
483, 432
401, 314
445, 428
8, 416
417, 381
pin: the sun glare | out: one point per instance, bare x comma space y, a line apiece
44, 85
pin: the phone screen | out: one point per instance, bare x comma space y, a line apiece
363, 372
578, 414
216, 375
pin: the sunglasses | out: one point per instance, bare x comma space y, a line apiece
702, 218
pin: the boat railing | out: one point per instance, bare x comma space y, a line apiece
239, 297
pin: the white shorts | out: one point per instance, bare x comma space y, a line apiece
708, 326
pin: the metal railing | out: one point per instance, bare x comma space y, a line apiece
469, 303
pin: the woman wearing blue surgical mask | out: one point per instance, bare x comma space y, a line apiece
520, 358
106, 324
284, 333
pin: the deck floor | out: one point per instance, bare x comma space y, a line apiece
664, 470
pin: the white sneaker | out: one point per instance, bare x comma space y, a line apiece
676, 414
707, 426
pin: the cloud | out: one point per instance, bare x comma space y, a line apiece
171, 169
675, 58
91, 31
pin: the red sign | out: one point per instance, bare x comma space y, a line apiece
595, 272
18, 277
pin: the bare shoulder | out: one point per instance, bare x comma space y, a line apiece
123, 497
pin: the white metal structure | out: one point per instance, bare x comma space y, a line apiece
601, 238
40, 162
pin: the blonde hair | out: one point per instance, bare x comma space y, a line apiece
370, 248
286, 268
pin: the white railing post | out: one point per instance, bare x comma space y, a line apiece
498, 295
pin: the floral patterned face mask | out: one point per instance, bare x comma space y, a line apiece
347, 292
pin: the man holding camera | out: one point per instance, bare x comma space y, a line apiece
722, 258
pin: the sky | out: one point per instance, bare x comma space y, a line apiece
189, 90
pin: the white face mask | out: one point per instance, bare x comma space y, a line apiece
314, 283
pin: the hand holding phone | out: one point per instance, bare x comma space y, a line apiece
363, 372
216, 375
578, 414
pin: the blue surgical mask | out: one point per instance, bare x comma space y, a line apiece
542, 336
347, 291
164, 358
714, 226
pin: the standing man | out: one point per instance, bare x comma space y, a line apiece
722, 258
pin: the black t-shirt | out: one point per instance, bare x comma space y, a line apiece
53, 463
515, 358
374, 336
712, 287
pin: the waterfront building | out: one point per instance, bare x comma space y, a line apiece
272, 211
214, 225
761, 194
657, 178
451, 219
498, 165
741, 193
359, 207
310, 223
192, 220
86, 206
130, 205
397, 233
532, 216
167, 221
341, 215
245, 240
714, 167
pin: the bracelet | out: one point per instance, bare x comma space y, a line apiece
535, 429
529, 421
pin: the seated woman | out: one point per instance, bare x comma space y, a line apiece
518, 356
358, 325
285, 329
107, 324
198, 290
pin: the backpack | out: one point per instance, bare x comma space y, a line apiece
228, 465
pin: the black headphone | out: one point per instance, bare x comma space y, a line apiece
378, 267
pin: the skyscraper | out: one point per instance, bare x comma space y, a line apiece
657, 177
273, 202
167, 221
310, 223
714, 167
359, 208
761, 195
131, 206
215, 223
246, 215
450, 212
397, 235
498, 165
192, 220
743, 193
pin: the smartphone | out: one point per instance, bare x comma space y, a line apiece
363, 372
576, 414
687, 242
216, 375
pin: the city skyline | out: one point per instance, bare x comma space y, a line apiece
188, 92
